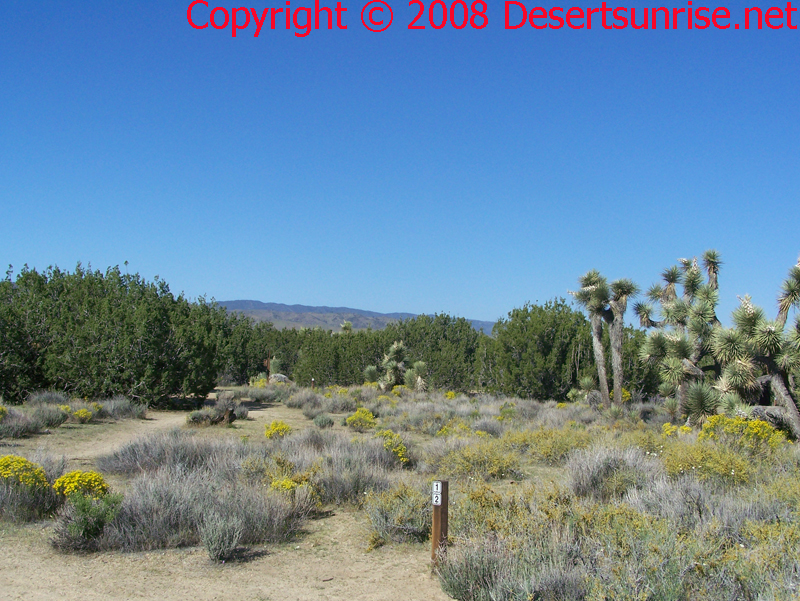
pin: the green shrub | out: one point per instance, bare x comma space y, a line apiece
754, 437
706, 460
82, 520
323, 420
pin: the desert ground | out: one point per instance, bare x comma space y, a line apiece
330, 559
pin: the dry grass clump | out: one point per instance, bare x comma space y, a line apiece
629, 524
604, 473
49, 409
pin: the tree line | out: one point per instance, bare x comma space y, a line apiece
95, 334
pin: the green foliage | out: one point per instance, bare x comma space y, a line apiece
95, 334
537, 352
706, 461
548, 445
323, 420
371, 373
755, 437
448, 346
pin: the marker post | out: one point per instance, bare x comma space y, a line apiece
439, 501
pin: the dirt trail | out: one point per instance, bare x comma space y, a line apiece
329, 563
83, 444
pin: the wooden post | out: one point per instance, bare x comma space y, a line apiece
439, 526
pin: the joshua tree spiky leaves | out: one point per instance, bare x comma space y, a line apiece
606, 303
707, 365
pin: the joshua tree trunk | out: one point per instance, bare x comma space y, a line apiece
783, 396
600, 356
615, 331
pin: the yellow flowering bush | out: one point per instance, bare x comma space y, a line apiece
547, 445
65, 409
361, 420
626, 395
668, 430
90, 484
277, 429
486, 459
3, 412
508, 410
393, 443
455, 427
399, 389
755, 437
18, 470
284, 484
82, 416
707, 461
450, 395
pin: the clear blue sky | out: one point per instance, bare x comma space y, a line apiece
459, 171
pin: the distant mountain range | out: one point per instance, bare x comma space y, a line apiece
327, 318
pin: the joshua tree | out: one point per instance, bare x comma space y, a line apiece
681, 342
706, 365
415, 377
757, 346
606, 303
394, 367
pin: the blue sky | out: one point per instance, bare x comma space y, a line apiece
459, 171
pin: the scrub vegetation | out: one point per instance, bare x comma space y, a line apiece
676, 479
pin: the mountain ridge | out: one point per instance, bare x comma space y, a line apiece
330, 318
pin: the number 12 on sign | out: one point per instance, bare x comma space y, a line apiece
437, 493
